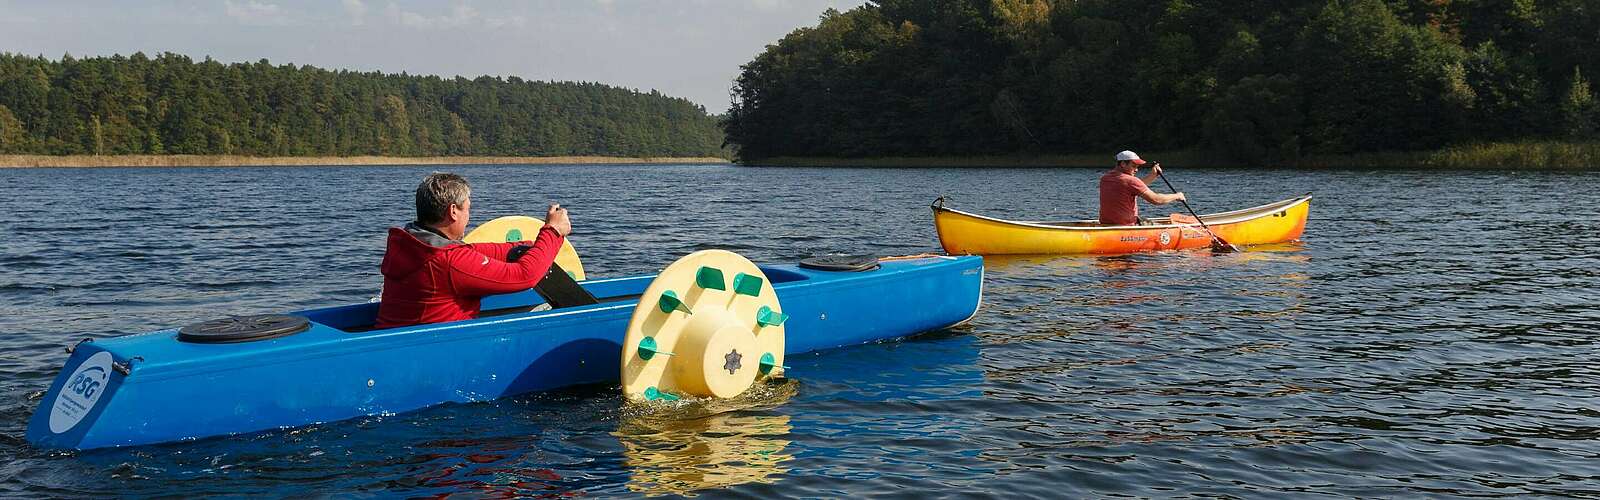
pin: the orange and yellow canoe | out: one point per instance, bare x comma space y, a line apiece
964, 233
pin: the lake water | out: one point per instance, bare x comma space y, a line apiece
1434, 334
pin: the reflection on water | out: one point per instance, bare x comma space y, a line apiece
697, 444
487, 467
1058, 263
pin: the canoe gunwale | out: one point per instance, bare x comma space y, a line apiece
1216, 219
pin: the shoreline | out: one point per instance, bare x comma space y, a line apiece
185, 161
1537, 156
1188, 159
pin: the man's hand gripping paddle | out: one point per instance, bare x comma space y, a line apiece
1217, 243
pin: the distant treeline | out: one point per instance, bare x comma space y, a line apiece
173, 105
1258, 80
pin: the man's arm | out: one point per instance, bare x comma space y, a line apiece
1153, 197
473, 273
1159, 198
498, 250
555, 218
1155, 175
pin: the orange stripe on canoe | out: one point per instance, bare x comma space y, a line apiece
963, 233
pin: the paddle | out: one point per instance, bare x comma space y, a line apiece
1217, 243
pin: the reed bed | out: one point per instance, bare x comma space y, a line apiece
1521, 156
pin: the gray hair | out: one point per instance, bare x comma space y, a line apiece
436, 193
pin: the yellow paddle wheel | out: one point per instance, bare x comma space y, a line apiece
709, 326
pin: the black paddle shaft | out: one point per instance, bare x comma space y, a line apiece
1214, 238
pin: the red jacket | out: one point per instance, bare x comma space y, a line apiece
428, 278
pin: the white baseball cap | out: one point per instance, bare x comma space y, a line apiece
1130, 156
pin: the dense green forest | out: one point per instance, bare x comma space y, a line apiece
1259, 80
173, 105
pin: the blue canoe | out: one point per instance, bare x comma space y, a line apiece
153, 388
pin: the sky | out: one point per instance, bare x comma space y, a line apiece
683, 48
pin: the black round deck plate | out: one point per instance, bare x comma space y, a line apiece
243, 328
842, 263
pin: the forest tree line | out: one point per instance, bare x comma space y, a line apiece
171, 104
1258, 80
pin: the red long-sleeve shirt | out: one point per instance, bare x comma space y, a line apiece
428, 278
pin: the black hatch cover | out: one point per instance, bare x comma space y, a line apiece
842, 263
243, 328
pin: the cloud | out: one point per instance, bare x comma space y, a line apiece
460, 15
9, 18
502, 22
9, 14
257, 13
357, 11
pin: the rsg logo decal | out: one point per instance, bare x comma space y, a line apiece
80, 393
86, 384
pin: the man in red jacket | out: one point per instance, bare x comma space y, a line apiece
431, 276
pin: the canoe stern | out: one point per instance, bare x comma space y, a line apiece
1278, 226
88, 383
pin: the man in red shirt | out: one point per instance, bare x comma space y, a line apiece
431, 276
1119, 187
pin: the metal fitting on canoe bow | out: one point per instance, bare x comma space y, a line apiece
74, 347
125, 367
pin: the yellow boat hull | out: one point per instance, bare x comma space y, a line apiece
963, 233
